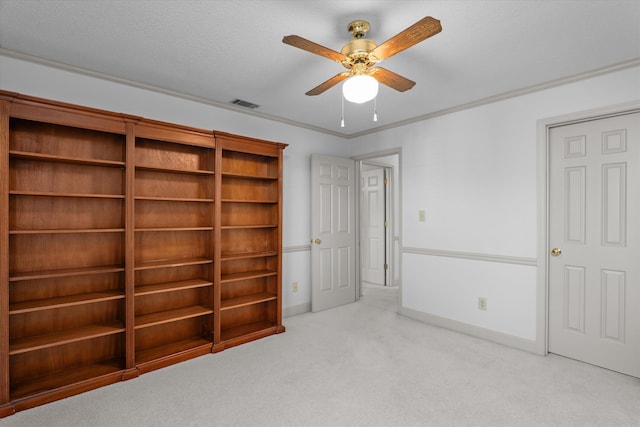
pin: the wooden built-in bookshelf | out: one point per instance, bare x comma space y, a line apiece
127, 245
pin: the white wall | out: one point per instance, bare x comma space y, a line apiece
51, 83
474, 172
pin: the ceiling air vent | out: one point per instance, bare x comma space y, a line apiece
245, 104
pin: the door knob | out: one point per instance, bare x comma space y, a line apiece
556, 252
317, 241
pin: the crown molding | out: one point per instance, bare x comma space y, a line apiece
157, 89
473, 104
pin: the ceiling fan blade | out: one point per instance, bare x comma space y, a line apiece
328, 84
391, 79
312, 47
416, 33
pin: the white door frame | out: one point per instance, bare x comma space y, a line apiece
544, 126
395, 264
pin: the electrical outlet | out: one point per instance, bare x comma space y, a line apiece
421, 216
294, 287
482, 304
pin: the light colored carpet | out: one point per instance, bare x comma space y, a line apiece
358, 365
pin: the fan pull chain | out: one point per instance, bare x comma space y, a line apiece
342, 117
375, 109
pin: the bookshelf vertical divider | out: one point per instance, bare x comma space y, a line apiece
6, 408
130, 369
217, 341
127, 245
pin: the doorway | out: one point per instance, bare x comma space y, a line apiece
336, 230
379, 229
374, 224
593, 241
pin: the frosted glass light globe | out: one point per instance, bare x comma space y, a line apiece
360, 89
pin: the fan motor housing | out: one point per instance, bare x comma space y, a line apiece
358, 47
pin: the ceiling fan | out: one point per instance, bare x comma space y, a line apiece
360, 55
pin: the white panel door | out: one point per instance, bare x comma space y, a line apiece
594, 228
372, 218
333, 246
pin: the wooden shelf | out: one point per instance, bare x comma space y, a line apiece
64, 378
65, 159
65, 238
174, 170
246, 275
249, 176
246, 329
156, 353
173, 199
69, 231
147, 265
66, 301
63, 337
78, 195
266, 202
168, 316
230, 304
171, 287
248, 226
174, 214
66, 272
247, 255
160, 229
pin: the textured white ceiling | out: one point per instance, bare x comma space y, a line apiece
219, 50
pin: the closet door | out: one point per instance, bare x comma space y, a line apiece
594, 294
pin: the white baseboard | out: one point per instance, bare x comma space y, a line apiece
296, 309
475, 331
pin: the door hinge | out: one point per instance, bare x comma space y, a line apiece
386, 181
386, 223
386, 266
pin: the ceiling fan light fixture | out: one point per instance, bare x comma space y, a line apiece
360, 88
